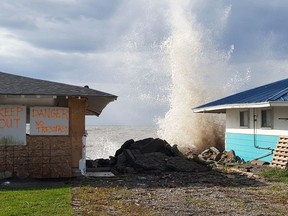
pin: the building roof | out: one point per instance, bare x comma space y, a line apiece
19, 85
263, 96
13, 85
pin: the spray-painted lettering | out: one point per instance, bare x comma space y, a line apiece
10, 111
9, 122
49, 121
48, 129
47, 112
12, 125
10, 116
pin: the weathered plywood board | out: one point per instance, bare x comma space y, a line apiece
12, 125
49, 121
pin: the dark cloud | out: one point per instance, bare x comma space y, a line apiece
255, 26
70, 26
119, 46
257, 29
82, 26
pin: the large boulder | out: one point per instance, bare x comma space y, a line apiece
151, 161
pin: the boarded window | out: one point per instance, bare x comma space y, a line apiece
12, 125
266, 118
244, 119
49, 121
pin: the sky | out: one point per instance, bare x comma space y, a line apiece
120, 47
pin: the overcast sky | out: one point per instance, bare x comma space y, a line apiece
120, 46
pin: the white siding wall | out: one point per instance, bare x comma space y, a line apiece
280, 127
280, 112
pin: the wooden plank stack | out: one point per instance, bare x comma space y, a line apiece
280, 157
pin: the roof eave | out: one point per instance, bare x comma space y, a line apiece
23, 95
278, 103
224, 107
96, 104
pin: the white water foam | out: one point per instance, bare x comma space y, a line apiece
103, 141
174, 72
198, 73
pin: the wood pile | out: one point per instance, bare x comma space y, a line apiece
280, 156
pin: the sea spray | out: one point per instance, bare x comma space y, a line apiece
198, 74
174, 64
104, 141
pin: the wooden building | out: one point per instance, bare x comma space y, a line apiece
42, 124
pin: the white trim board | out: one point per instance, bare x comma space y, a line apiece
259, 131
241, 106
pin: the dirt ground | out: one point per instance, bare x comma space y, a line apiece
233, 191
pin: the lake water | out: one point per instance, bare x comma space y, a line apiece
103, 141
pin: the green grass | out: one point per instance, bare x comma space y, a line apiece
276, 174
35, 200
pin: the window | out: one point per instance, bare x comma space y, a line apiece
244, 119
266, 118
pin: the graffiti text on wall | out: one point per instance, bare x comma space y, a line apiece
49, 121
12, 125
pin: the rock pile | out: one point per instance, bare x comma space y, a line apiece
214, 156
147, 154
157, 154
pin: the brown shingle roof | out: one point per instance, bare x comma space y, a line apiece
18, 85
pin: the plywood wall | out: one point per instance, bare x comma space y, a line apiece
48, 156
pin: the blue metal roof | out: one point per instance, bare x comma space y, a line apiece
277, 91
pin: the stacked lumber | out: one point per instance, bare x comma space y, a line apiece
280, 157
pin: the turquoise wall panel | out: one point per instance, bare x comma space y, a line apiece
243, 145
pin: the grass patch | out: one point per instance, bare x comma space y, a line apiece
102, 201
35, 200
196, 201
276, 174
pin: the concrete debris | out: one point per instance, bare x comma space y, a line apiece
213, 156
258, 162
100, 174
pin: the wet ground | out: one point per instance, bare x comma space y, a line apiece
233, 191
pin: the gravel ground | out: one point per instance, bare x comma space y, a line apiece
234, 192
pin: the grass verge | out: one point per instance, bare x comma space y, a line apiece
276, 174
32, 200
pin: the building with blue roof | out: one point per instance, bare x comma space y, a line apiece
255, 119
